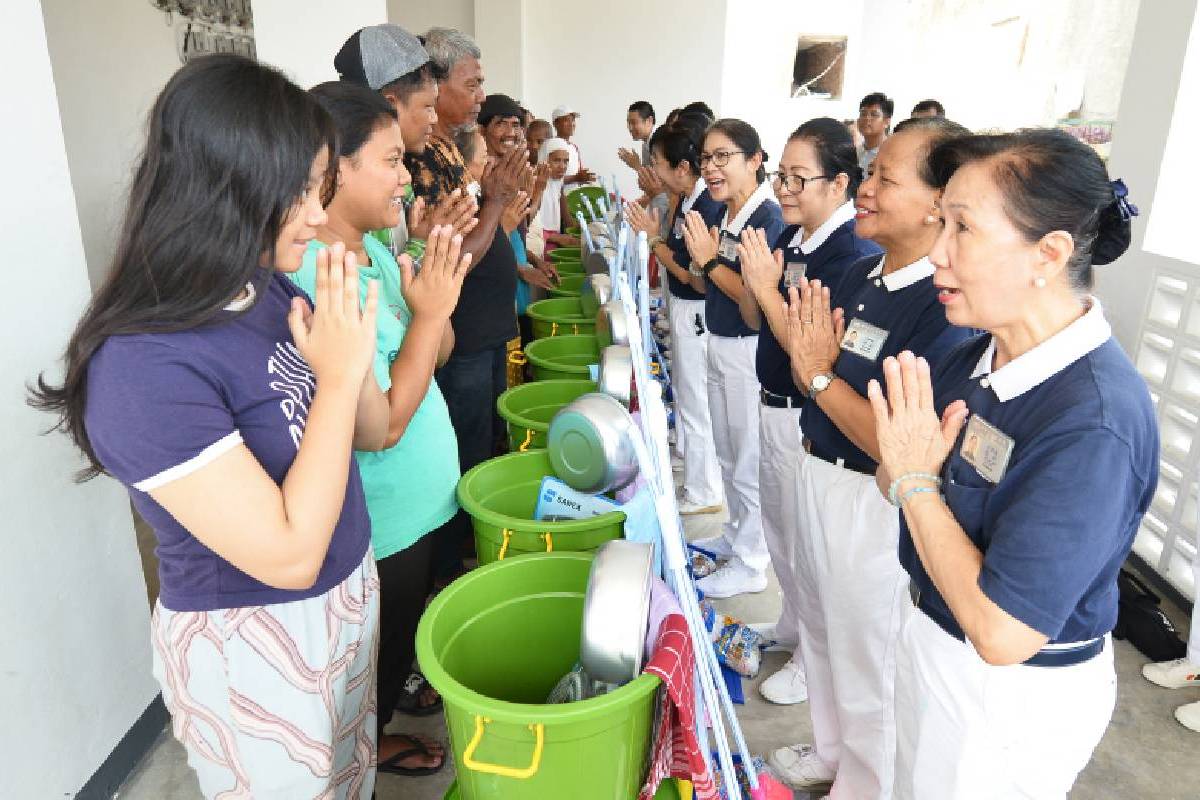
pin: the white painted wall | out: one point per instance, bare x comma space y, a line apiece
110, 60
301, 37
668, 52
500, 34
76, 655
419, 16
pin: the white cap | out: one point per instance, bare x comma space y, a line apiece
563, 111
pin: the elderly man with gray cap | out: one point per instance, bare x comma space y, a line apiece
485, 318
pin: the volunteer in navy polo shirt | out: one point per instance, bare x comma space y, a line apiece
675, 159
817, 177
851, 584
731, 164
1023, 469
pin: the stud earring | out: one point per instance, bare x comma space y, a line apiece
1039, 282
930, 219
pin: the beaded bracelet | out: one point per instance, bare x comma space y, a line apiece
911, 476
915, 490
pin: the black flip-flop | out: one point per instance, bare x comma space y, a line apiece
409, 703
392, 766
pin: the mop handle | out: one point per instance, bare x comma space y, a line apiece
586, 202
587, 235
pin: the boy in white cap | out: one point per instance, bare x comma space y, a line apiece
564, 125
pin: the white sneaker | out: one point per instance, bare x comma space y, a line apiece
717, 545
1189, 716
770, 633
687, 508
733, 578
1173, 674
800, 767
786, 687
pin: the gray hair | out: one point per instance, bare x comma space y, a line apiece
446, 47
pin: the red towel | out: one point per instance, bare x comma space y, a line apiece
676, 752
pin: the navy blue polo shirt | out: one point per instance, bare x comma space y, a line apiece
700, 201
837, 249
1056, 527
761, 211
898, 312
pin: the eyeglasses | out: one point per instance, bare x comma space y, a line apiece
794, 184
719, 158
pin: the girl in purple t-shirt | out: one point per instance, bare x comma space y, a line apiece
203, 380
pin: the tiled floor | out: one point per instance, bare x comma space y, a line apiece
1145, 754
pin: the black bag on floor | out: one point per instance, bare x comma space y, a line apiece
1143, 623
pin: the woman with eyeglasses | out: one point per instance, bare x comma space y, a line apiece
675, 158
731, 163
852, 589
1023, 465
818, 174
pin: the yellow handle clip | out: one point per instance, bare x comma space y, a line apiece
504, 544
528, 438
539, 737
549, 542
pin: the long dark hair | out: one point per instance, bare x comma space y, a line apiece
681, 140
229, 148
356, 112
834, 147
1050, 181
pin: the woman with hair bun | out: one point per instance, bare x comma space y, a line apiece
1022, 467
815, 184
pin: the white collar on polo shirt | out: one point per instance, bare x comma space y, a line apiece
1047, 359
762, 194
691, 199
905, 276
843, 214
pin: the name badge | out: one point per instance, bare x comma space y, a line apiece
677, 229
793, 274
864, 339
728, 247
986, 448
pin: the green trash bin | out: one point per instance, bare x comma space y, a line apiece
494, 643
569, 286
559, 316
575, 204
566, 254
500, 495
563, 357
528, 409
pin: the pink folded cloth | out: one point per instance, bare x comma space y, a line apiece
676, 752
662, 605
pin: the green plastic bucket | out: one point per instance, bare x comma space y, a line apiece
568, 286
667, 790
528, 409
563, 357
494, 643
500, 495
566, 254
569, 267
559, 316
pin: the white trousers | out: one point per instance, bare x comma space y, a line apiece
967, 730
781, 446
733, 402
851, 594
1194, 636
689, 381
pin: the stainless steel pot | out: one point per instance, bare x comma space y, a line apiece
616, 373
616, 611
612, 324
595, 292
590, 444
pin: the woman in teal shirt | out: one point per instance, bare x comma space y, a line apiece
409, 485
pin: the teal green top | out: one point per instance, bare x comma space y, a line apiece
410, 486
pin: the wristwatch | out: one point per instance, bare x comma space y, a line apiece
819, 384
709, 266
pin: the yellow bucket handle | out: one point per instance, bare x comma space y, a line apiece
539, 735
507, 534
518, 357
554, 329
528, 438
575, 329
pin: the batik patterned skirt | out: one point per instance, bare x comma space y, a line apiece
276, 701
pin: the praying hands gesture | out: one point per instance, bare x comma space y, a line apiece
629, 158
702, 242
649, 182
912, 438
641, 221
433, 292
515, 212
457, 210
814, 332
761, 269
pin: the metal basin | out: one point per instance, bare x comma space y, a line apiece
590, 444
616, 373
612, 324
616, 611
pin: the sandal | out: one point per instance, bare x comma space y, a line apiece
415, 687
417, 747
